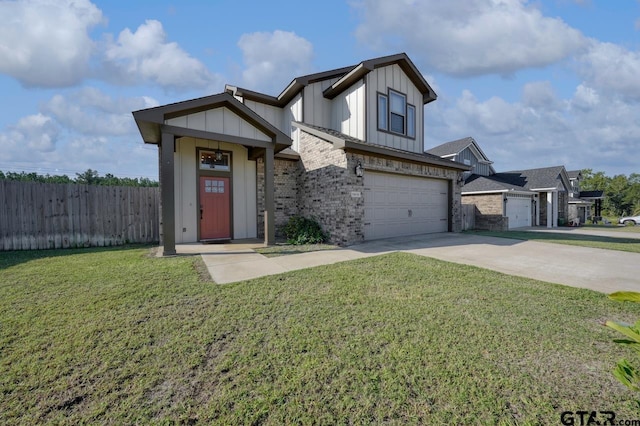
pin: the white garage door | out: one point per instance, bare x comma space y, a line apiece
396, 205
518, 211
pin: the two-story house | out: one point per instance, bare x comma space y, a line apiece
512, 199
344, 146
583, 205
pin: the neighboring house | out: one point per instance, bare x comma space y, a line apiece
508, 200
343, 146
466, 151
583, 205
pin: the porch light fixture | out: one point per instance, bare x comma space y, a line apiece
506, 199
359, 170
460, 179
218, 153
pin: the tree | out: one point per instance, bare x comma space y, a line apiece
88, 177
618, 199
622, 193
593, 181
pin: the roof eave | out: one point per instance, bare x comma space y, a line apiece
363, 68
364, 148
151, 120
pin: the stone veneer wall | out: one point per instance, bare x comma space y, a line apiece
492, 222
285, 183
489, 211
563, 206
489, 204
542, 209
325, 184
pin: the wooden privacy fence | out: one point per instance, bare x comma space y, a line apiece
48, 215
468, 217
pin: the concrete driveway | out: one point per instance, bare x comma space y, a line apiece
596, 269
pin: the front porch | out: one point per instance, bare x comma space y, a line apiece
218, 119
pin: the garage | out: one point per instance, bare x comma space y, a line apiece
518, 210
398, 205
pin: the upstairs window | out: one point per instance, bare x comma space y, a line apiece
411, 121
383, 112
395, 115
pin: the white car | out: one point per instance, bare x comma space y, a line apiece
630, 220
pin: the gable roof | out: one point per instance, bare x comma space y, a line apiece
494, 183
151, 120
452, 148
574, 174
536, 179
349, 143
347, 76
530, 180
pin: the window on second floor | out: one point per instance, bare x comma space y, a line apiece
395, 115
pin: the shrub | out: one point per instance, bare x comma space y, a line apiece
302, 230
625, 372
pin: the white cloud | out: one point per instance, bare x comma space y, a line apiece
273, 59
538, 94
45, 43
589, 130
36, 132
146, 56
611, 67
91, 112
81, 129
469, 37
495, 116
585, 98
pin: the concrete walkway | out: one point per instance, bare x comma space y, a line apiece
596, 269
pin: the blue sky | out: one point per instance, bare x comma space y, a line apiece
536, 83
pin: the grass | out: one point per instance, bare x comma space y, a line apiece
118, 337
609, 243
614, 228
287, 249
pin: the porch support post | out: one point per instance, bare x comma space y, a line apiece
167, 199
549, 209
556, 207
269, 205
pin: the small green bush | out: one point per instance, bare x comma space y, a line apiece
302, 230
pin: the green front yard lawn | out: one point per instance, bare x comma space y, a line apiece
610, 243
614, 228
115, 336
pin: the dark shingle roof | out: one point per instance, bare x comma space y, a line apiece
591, 194
334, 136
497, 182
546, 177
346, 77
449, 148
573, 174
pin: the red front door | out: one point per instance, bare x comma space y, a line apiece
215, 208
